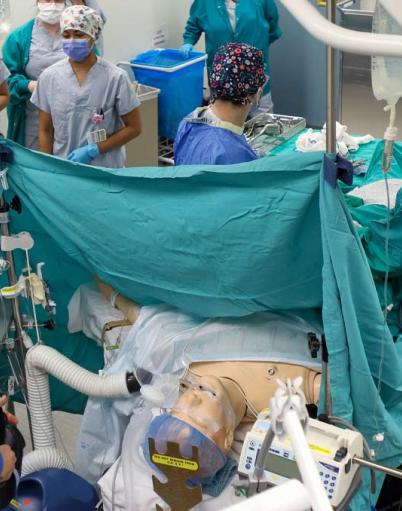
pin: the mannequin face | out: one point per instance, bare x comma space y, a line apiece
207, 405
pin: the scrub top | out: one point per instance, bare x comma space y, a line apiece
254, 22
4, 72
44, 52
107, 91
203, 139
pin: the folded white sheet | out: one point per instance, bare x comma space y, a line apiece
376, 193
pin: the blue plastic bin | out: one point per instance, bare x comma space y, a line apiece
180, 81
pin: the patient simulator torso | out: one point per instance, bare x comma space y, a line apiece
258, 380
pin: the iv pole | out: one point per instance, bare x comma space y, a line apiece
331, 85
19, 347
335, 37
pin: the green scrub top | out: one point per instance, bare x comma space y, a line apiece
256, 24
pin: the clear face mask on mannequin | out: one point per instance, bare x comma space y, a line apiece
50, 12
205, 405
195, 396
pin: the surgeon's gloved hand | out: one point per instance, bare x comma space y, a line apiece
85, 154
186, 49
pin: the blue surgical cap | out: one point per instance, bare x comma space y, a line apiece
166, 428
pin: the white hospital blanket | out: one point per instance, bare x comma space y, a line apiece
376, 193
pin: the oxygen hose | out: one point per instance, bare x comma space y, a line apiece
42, 361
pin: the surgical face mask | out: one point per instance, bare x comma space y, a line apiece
50, 12
206, 423
77, 49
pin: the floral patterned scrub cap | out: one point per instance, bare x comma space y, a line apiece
82, 18
237, 73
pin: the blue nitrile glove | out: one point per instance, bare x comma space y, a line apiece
186, 49
85, 154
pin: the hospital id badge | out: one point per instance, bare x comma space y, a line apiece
96, 136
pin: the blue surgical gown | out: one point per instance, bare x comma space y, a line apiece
200, 143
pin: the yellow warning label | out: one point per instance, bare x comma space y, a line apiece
170, 461
319, 449
14, 504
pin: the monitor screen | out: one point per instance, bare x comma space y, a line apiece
282, 466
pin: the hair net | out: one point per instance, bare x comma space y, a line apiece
237, 73
82, 18
166, 428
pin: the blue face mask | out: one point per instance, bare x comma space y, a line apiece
77, 49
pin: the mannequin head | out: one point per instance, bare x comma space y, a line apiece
214, 406
206, 415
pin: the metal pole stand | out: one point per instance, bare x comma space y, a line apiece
17, 350
331, 85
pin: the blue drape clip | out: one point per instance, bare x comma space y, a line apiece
340, 168
6, 155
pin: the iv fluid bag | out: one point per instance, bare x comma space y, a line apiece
386, 72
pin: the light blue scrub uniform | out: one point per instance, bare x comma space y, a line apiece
107, 91
44, 52
4, 72
202, 139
